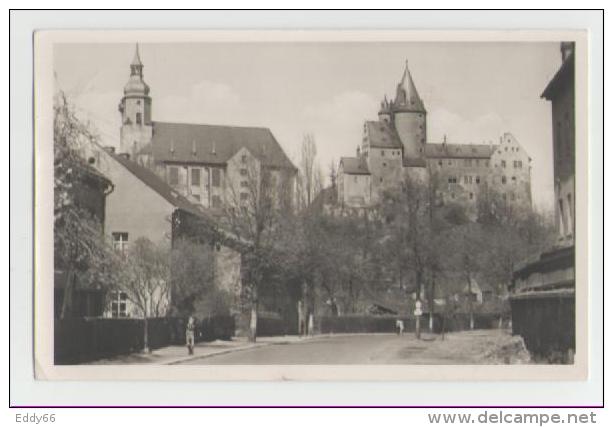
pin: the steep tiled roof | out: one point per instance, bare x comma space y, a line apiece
563, 76
382, 135
475, 151
210, 144
158, 185
407, 98
354, 166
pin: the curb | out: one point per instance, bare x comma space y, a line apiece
214, 353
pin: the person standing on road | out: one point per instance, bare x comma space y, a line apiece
190, 331
399, 327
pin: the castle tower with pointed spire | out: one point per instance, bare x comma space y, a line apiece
409, 116
135, 108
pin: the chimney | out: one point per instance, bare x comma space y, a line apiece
172, 146
193, 147
566, 48
109, 149
213, 151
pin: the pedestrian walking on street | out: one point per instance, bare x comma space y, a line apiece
399, 327
190, 330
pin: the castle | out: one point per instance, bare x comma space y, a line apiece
210, 165
396, 146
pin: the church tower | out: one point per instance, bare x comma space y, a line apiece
135, 108
409, 116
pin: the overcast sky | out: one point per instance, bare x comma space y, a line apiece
473, 92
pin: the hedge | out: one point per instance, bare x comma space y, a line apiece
80, 340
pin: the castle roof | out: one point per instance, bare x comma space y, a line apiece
354, 166
382, 135
212, 144
445, 150
407, 98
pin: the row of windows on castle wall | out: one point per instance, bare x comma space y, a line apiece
470, 179
471, 196
517, 164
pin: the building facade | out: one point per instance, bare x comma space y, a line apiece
142, 205
395, 146
543, 300
210, 165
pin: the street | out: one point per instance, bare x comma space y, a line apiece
457, 348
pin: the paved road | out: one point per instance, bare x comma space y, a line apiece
354, 349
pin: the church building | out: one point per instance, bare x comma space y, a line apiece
211, 165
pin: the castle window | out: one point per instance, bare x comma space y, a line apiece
195, 177
139, 118
244, 184
470, 196
503, 163
503, 179
216, 201
215, 177
173, 175
512, 196
477, 180
440, 163
514, 180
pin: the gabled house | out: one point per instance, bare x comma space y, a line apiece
143, 205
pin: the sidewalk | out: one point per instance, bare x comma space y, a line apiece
177, 354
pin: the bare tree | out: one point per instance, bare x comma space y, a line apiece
310, 180
193, 275
253, 211
80, 249
148, 284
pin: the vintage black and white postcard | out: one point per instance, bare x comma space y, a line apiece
313, 205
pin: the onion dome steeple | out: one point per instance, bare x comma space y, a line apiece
136, 85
